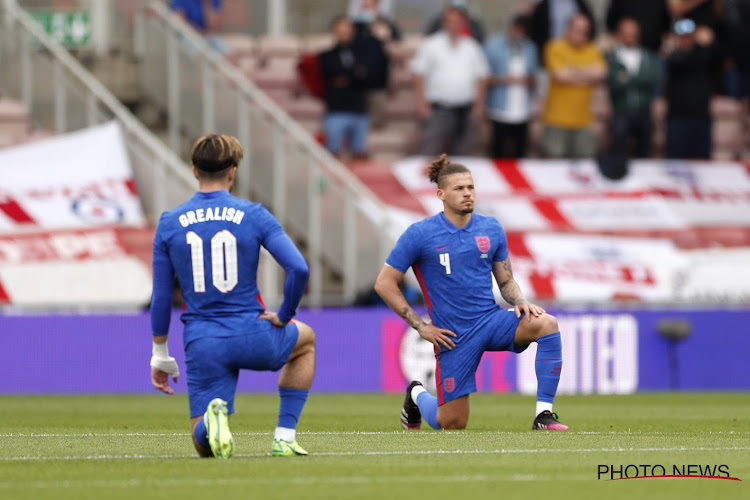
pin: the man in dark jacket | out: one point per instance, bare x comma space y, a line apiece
633, 75
347, 81
690, 56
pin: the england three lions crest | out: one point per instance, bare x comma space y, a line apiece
483, 244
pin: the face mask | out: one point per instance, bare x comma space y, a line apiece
367, 16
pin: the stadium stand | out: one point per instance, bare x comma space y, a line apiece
270, 62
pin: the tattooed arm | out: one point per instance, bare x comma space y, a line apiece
511, 292
387, 286
509, 289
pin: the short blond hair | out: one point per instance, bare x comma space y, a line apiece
214, 153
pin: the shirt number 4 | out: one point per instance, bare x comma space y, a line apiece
445, 261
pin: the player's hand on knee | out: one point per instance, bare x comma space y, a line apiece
529, 310
437, 336
273, 318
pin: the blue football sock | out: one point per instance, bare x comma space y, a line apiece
428, 405
548, 366
201, 434
290, 408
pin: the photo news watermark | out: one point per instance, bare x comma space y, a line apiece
614, 472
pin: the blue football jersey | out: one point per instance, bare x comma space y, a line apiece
453, 267
212, 243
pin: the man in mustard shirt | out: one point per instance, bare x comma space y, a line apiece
575, 67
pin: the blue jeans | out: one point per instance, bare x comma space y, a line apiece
342, 125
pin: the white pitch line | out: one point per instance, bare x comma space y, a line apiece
298, 480
377, 433
389, 453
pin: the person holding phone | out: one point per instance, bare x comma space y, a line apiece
690, 55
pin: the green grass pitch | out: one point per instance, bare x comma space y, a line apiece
137, 447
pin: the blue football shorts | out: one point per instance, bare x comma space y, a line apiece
214, 363
456, 369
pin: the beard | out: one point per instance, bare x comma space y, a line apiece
465, 211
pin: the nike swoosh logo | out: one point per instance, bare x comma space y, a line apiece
440, 249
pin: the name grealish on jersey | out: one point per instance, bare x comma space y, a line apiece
215, 213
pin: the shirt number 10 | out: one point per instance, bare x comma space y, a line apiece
445, 261
223, 261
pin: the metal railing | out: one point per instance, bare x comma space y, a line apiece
343, 226
62, 96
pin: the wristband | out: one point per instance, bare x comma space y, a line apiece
160, 350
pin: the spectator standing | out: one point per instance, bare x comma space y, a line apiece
347, 82
690, 55
550, 19
709, 13
575, 67
450, 82
514, 62
377, 37
471, 25
652, 17
633, 78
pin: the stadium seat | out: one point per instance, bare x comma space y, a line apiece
275, 72
727, 136
281, 95
271, 46
305, 107
725, 107
239, 45
390, 140
14, 122
317, 43
247, 64
402, 104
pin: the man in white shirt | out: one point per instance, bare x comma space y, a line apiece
450, 82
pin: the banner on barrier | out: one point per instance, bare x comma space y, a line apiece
75, 180
75, 268
529, 195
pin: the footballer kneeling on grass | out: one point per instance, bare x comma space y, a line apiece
212, 243
454, 255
